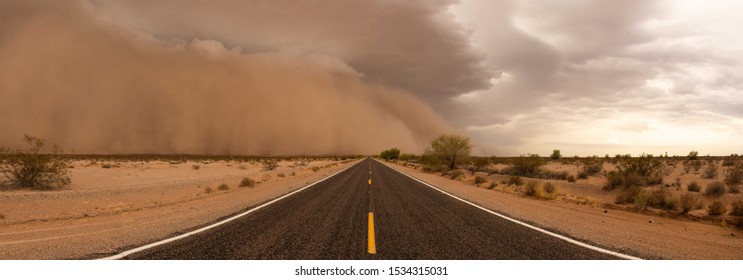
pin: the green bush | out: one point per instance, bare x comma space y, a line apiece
717, 208
555, 155
247, 182
690, 201
34, 168
716, 188
393, 153
527, 166
737, 208
693, 187
693, 155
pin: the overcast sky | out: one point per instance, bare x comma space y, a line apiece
524, 76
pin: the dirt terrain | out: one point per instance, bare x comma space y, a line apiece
114, 205
586, 212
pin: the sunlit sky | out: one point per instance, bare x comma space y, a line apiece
606, 77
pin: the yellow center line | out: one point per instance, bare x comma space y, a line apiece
372, 249
370, 181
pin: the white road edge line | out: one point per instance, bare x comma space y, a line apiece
568, 239
181, 236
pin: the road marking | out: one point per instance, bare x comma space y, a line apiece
372, 248
165, 241
369, 181
568, 239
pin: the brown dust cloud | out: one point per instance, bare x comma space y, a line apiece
71, 74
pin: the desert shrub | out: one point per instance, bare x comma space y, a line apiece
247, 182
106, 165
480, 180
208, 190
282, 175
641, 171
479, 164
734, 175
570, 178
34, 168
315, 168
223, 187
690, 201
728, 162
632, 195
492, 186
693, 187
662, 198
450, 150
710, 172
454, 174
737, 208
692, 165
196, 167
269, 165
2, 217
716, 188
734, 189
582, 176
554, 175
717, 208
550, 188
591, 169
527, 166
515, 181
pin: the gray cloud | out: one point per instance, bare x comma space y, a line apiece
414, 45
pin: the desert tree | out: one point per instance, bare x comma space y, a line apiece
556, 155
450, 149
393, 153
34, 168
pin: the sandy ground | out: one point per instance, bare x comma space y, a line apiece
580, 212
133, 203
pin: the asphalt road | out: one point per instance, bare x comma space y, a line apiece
331, 221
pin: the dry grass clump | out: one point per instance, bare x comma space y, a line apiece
734, 189
591, 169
693, 187
715, 189
710, 172
208, 190
690, 201
315, 168
480, 180
717, 208
515, 181
632, 195
538, 191
247, 182
492, 186
269, 165
223, 187
195, 167
454, 174
281, 175
570, 178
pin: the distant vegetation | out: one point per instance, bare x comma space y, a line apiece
34, 168
555, 154
390, 154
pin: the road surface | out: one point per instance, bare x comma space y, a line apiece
370, 211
